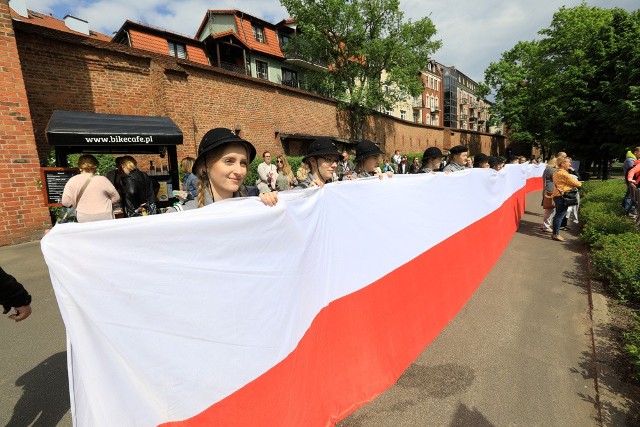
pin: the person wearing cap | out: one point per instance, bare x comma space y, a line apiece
221, 166
481, 161
457, 159
431, 160
495, 163
322, 159
368, 159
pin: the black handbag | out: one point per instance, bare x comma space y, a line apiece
570, 198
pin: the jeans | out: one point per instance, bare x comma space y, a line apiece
561, 212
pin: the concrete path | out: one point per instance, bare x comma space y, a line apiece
518, 354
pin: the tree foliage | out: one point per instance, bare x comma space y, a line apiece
578, 87
373, 56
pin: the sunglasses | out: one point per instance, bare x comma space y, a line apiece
279, 161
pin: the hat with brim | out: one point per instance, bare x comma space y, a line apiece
432, 153
366, 148
216, 138
322, 147
458, 149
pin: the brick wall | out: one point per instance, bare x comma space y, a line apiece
24, 216
69, 72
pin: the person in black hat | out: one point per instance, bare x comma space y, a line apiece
368, 159
221, 166
457, 159
322, 159
495, 163
431, 160
481, 161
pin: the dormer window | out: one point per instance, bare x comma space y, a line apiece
258, 33
179, 50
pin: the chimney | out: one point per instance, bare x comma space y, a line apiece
77, 24
20, 7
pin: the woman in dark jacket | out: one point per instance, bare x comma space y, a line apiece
139, 190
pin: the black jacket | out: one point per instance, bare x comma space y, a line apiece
138, 189
12, 293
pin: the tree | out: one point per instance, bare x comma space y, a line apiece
576, 89
374, 58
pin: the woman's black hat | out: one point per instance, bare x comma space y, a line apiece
216, 138
366, 148
432, 153
322, 147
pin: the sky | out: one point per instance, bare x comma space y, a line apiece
474, 33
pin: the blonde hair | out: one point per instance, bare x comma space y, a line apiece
129, 162
203, 178
286, 168
88, 163
553, 162
302, 172
186, 165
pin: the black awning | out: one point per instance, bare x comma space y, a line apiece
74, 128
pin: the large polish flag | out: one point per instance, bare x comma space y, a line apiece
239, 314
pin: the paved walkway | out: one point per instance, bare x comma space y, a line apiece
519, 353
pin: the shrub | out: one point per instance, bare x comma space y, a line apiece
252, 173
616, 262
632, 345
600, 221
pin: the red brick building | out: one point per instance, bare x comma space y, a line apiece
45, 69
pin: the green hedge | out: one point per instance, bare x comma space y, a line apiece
252, 174
616, 262
603, 219
615, 242
632, 345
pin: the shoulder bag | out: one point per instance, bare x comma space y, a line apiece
70, 214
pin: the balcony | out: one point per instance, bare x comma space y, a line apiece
417, 103
480, 121
462, 117
473, 105
435, 110
298, 84
464, 100
233, 68
472, 119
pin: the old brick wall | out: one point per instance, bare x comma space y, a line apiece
69, 72
24, 216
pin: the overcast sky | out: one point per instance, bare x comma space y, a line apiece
474, 33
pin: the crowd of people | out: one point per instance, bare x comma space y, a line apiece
221, 166
559, 178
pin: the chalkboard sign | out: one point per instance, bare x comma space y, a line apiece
53, 182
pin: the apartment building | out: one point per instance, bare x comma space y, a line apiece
462, 108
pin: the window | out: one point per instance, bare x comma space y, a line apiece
289, 77
284, 40
178, 50
416, 116
262, 70
258, 33
403, 114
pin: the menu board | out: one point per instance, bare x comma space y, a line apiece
53, 182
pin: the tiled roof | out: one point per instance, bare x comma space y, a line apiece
48, 21
145, 39
271, 45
